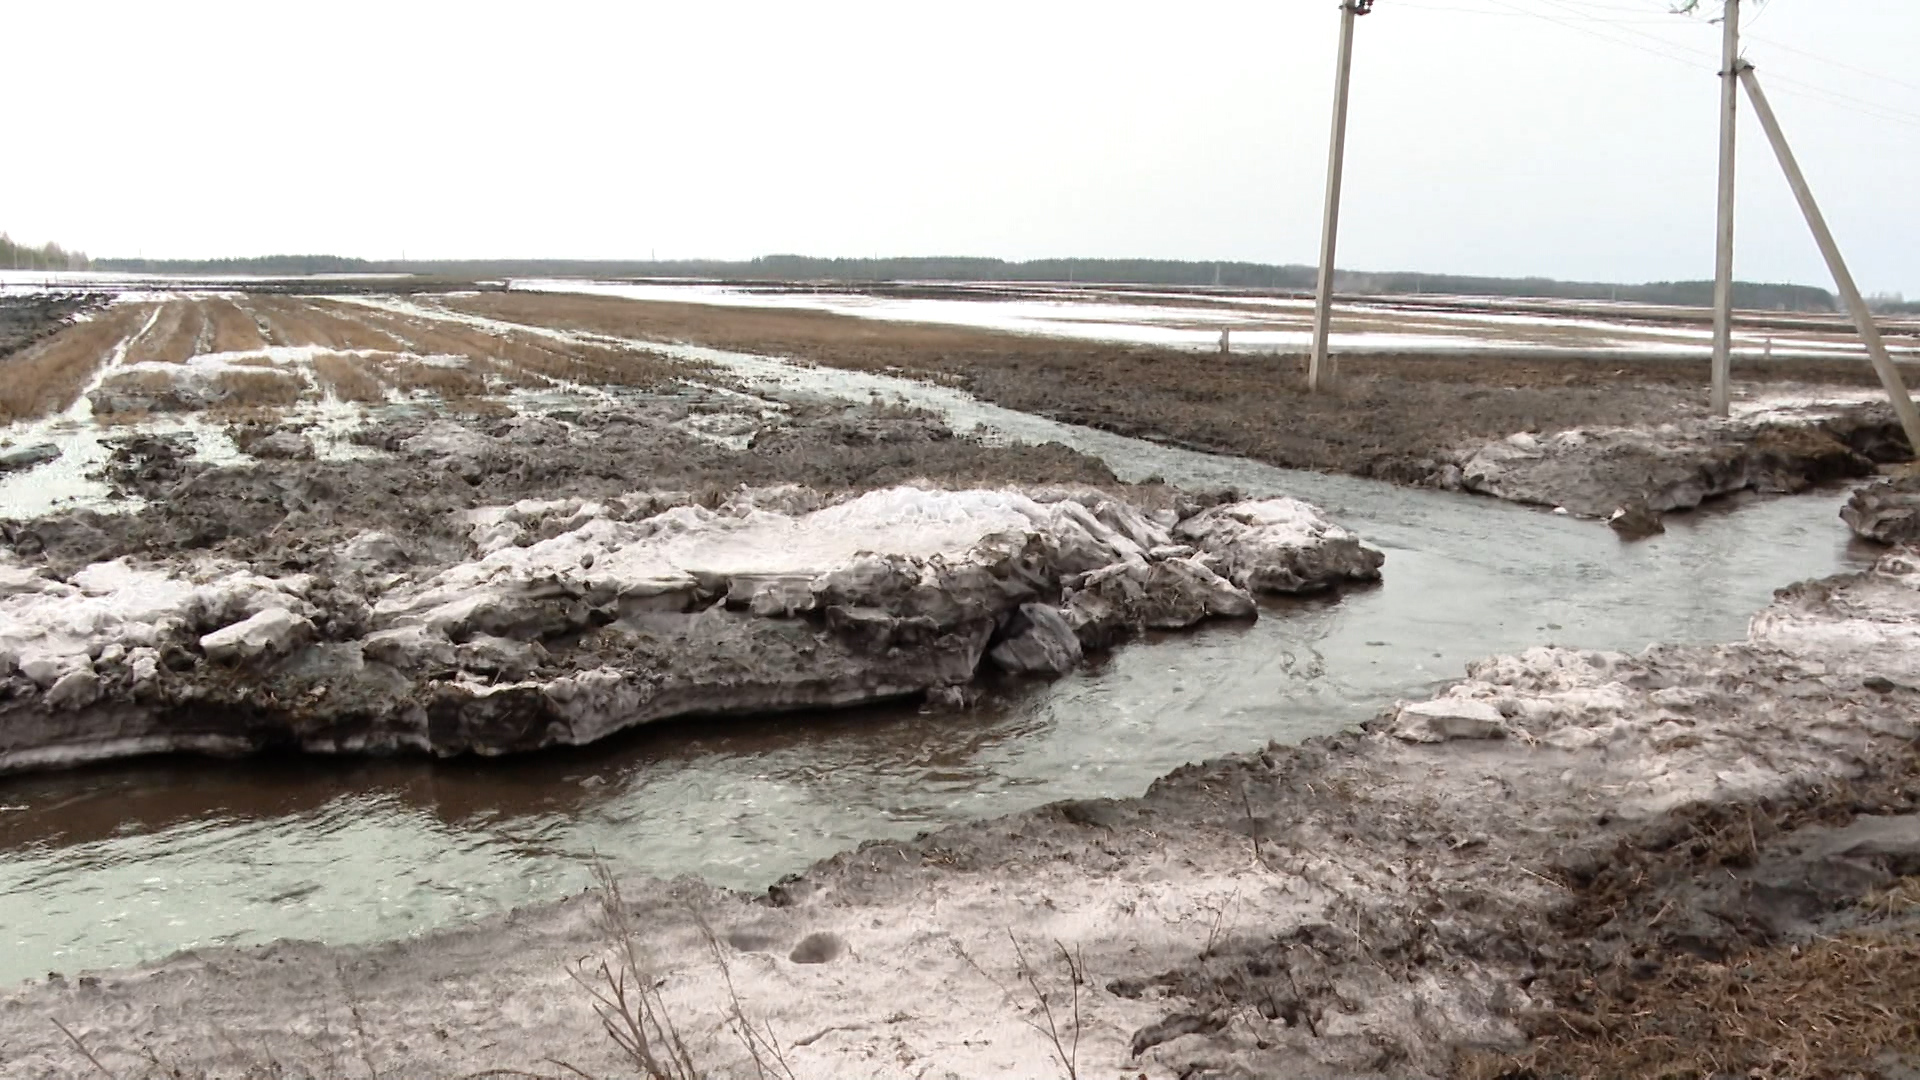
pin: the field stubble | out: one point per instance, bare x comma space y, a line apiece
1390, 417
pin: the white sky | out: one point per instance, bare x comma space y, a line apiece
1487, 136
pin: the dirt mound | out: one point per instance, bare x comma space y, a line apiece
26, 319
1888, 511
1779, 937
280, 513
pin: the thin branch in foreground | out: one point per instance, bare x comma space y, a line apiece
82, 1047
763, 1046
627, 1000
1066, 1051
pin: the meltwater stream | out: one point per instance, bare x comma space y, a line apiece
111, 866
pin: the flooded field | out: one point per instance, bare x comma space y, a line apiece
111, 865
1196, 319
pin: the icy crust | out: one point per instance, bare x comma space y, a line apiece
1374, 903
1887, 512
1593, 472
573, 619
1680, 724
1278, 545
112, 613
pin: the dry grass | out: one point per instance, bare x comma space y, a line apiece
48, 376
804, 334
607, 366
299, 322
258, 388
233, 330
348, 378
175, 337
626, 995
411, 376
1831, 1008
527, 359
445, 339
1393, 417
163, 391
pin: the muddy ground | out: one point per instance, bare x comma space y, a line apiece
1698, 861
1396, 418
280, 515
26, 319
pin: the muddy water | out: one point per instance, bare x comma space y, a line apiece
112, 866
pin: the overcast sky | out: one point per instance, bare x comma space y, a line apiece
1569, 138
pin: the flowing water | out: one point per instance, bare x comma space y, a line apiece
110, 866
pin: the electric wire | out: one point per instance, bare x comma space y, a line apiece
1693, 58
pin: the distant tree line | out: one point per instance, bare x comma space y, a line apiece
1229, 275
17, 256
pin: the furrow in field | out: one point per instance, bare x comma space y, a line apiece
49, 376
174, 337
298, 322
233, 329
524, 358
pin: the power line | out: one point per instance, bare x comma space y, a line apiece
1848, 101
1837, 63
1691, 58
1665, 52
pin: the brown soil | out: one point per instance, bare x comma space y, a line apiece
178, 334
233, 330
1392, 418
291, 321
48, 376
525, 359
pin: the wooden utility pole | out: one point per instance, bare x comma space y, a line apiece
1842, 277
1320, 369
1723, 252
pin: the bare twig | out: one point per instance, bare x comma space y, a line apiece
1219, 917
82, 1047
1253, 824
359, 1023
1066, 1052
572, 1068
627, 998
763, 1046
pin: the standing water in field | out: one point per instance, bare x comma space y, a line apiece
115, 865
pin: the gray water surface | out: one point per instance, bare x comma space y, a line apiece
112, 866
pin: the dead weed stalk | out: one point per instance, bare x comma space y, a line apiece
762, 1045
1066, 1044
82, 1047
626, 996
